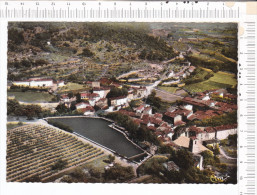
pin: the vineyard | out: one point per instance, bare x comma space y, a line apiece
33, 151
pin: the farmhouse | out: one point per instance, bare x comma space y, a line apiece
34, 82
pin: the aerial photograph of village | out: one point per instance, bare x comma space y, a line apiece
144, 103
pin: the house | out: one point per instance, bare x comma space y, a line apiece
88, 111
66, 99
130, 96
172, 117
101, 91
196, 146
198, 104
141, 92
140, 109
34, 82
95, 84
60, 83
101, 103
147, 110
223, 131
192, 144
90, 96
81, 105
118, 101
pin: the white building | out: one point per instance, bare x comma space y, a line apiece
89, 111
222, 132
82, 105
60, 84
35, 82
102, 92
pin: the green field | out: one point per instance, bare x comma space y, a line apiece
168, 89
71, 87
219, 80
31, 96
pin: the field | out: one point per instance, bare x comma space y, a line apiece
166, 96
168, 89
71, 87
31, 96
33, 151
219, 80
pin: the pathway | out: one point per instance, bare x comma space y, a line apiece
222, 152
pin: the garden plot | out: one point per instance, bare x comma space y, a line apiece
34, 151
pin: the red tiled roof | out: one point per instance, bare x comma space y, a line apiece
140, 107
117, 98
179, 123
137, 121
155, 121
225, 127
125, 112
158, 115
195, 129
209, 129
88, 108
152, 128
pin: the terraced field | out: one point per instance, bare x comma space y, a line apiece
218, 81
32, 150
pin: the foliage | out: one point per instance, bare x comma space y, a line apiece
224, 119
117, 92
136, 133
119, 173
61, 108
183, 159
30, 111
197, 76
59, 165
232, 140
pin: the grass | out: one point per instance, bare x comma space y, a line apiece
31, 96
72, 86
219, 80
168, 89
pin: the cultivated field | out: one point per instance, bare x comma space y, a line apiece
33, 151
218, 81
31, 96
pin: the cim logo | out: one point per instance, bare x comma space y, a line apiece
215, 179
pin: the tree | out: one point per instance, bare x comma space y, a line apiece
184, 159
59, 165
73, 106
70, 94
61, 108
117, 92
78, 98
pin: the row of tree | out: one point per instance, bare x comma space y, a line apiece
14, 108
